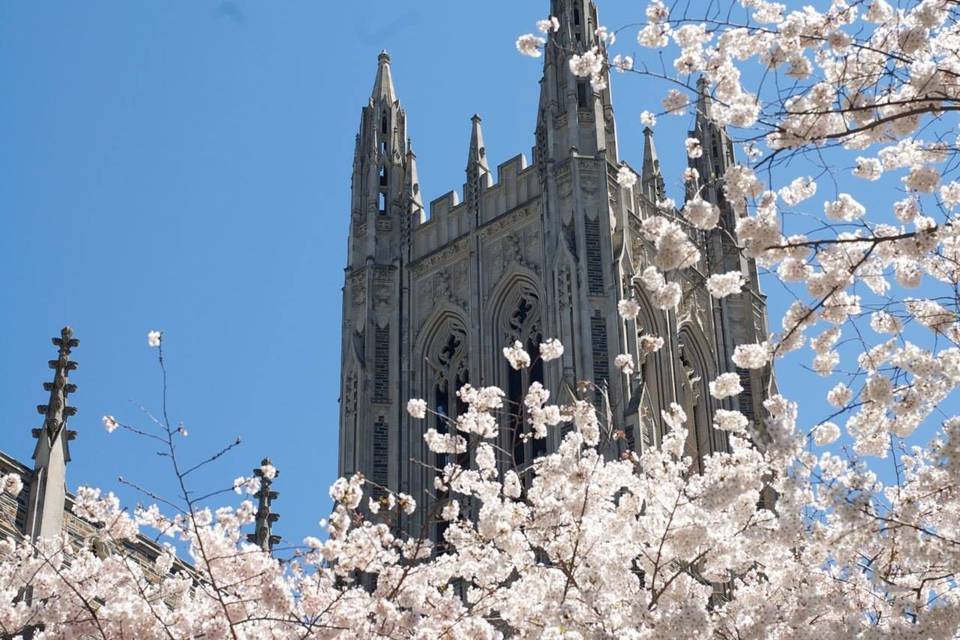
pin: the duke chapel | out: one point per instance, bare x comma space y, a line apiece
545, 250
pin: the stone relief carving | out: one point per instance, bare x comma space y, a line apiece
691, 308
382, 304
589, 183
350, 396
358, 285
383, 286
520, 246
453, 252
449, 287
448, 284
512, 251
564, 287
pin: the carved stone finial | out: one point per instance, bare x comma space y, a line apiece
47, 498
56, 410
262, 535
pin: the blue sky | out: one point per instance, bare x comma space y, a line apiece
185, 166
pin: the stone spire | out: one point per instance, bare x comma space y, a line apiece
262, 535
577, 24
573, 114
704, 103
51, 455
651, 180
478, 171
412, 185
383, 84
717, 151
379, 164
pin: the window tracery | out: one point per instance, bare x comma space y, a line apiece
521, 321
447, 371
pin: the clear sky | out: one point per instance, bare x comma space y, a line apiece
185, 166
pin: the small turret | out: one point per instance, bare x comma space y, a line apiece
383, 84
48, 486
651, 180
704, 102
263, 536
412, 186
478, 170
717, 154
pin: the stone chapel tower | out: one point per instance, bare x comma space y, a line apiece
534, 252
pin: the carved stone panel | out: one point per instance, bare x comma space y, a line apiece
520, 246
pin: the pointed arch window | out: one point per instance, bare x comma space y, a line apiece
702, 437
447, 370
520, 321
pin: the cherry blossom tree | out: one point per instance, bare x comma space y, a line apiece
779, 537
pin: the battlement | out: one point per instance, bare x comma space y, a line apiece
450, 218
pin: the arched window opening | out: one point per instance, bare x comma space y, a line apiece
447, 372
383, 176
383, 124
583, 95
696, 405
521, 322
382, 203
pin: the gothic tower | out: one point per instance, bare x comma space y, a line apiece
385, 201
532, 252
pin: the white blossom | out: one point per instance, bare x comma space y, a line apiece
826, 433
626, 178
726, 385
622, 63
798, 191
529, 45
727, 420
587, 64
950, 194
407, 504
154, 338
450, 511
650, 343
417, 408
548, 24
701, 213
516, 356
110, 423
269, 471
751, 356
868, 168
11, 484
624, 362
924, 179
552, 349
721, 285
844, 208
628, 308
675, 102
